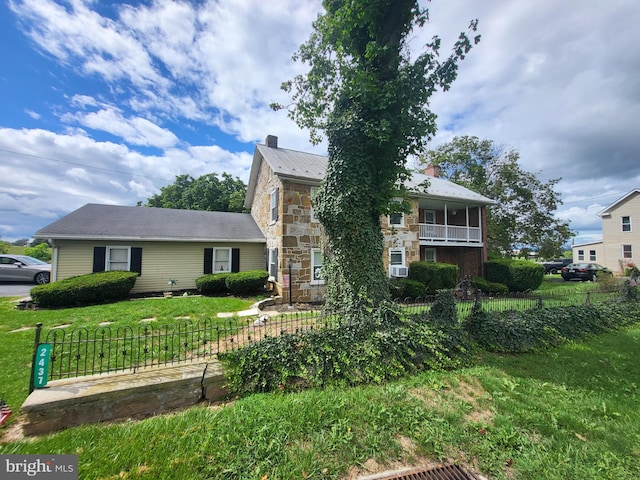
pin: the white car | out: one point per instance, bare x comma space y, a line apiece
21, 268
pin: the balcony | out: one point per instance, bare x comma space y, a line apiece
449, 234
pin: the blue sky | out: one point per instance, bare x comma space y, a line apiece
106, 102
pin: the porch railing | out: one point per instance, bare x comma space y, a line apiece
450, 233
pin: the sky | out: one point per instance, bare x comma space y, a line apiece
107, 102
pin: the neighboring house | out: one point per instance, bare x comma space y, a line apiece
620, 245
447, 223
161, 244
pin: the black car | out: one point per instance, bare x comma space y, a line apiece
584, 271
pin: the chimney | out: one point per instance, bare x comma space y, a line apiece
433, 170
271, 141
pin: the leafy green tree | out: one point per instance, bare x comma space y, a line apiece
4, 246
523, 218
207, 192
367, 93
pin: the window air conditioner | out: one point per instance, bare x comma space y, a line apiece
399, 271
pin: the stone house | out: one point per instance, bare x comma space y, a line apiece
447, 222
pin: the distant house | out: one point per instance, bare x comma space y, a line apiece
160, 244
620, 245
447, 222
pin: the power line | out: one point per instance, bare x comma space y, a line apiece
85, 166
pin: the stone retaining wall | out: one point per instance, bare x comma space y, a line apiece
98, 398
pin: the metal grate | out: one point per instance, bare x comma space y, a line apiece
444, 472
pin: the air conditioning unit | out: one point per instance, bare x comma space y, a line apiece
398, 271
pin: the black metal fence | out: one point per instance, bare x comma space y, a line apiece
112, 348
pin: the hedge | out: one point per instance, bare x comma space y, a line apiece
212, 284
517, 275
90, 289
247, 283
435, 276
406, 288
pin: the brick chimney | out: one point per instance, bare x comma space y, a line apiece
432, 170
271, 141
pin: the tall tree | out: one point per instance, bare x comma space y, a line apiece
207, 192
523, 218
369, 96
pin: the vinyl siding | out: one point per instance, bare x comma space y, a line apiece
161, 261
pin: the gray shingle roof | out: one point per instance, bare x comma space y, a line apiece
312, 168
114, 222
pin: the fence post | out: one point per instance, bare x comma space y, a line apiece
588, 298
33, 358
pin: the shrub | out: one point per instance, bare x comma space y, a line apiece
435, 276
376, 348
407, 288
247, 283
491, 288
40, 251
517, 275
212, 284
91, 289
516, 332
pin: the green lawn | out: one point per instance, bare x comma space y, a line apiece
571, 412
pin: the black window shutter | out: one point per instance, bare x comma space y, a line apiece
136, 260
208, 260
235, 260
99, 255
277, 203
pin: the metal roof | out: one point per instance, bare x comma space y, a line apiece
114, 222
310, 167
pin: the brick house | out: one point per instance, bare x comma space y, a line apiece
447, 222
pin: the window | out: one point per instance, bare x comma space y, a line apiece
429, 255
396, 256
581, 255
221, 260
118, 258
396, 219
592, 256
313, 193
274, 205
430, 217
273, 263
627, 252
316, 267
626, 224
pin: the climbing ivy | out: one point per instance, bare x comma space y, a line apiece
370, 98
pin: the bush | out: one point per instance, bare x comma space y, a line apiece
517, 332
247, 283
517, 275
490, 288
435, 276
40, 251
212, 284
406, 288
382, 346
91, 289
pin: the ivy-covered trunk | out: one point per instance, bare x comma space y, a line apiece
348, 209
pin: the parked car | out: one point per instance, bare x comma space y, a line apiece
555, 266
21, 268
584, 271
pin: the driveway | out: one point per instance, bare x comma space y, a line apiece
15, 289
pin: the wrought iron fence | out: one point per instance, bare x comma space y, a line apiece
112, 348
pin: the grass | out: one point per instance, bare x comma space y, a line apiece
571, 412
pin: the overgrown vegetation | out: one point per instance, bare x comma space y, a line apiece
381, 346
90, 289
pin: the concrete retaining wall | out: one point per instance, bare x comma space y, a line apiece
99, 398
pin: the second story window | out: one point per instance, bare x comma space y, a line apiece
274, 205
626, 224
396, 219
313, 192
